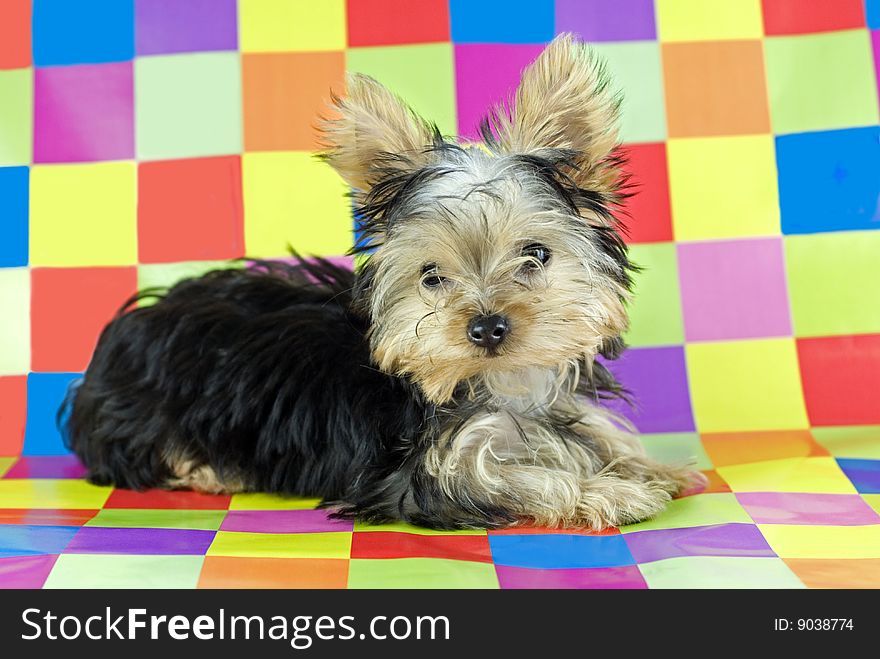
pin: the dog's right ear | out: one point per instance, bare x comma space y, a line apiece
373, 134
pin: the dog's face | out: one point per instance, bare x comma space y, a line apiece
496, 258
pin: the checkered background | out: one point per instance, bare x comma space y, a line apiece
143, 140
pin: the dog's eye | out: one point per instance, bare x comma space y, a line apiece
430, 278
536, 252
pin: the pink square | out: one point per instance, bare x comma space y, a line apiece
486, 74
83, 113
733, 289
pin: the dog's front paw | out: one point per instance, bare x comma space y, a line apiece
608, 500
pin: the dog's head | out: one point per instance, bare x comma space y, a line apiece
492, 258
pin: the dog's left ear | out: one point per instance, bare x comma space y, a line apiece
564, 101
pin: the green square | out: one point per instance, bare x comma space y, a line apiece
422, 75
833, 279
165, 275
124, 518
655, 312
188, 105
16, 116
821, 81
123, 571
635, 70
696, 510
719, 572
677, 448
421, 573
15, 330
861, 442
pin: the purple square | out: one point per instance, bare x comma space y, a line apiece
624, 577
657, 381
717, 540
733, 289
83, 113
485, 75
26, 571
178, 26
875, 41
98, 540
607, 20
47, 466
803, 508
284, 521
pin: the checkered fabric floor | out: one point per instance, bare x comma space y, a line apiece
144, 140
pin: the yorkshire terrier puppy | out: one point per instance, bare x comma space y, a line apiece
450, 382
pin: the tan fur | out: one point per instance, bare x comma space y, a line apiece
200, 477
564, 101
605, 481
369, 123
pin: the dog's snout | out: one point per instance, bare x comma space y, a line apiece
488, 331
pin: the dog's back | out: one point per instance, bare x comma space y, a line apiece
241, 379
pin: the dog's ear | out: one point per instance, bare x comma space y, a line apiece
564, 101
373, 132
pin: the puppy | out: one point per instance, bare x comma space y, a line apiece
450, 382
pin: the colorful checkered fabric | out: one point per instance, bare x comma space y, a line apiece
141, 141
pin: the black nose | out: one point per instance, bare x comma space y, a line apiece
488, 331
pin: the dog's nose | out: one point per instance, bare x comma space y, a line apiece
488, 331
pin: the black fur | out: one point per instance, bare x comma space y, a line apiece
265, 375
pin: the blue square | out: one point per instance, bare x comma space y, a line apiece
82, 31
830, 180
560, 551
26, 540
502, 21
14, 214
863, 474
45, 393
872, 13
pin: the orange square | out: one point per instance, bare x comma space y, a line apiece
237, 572
715, 88
733, 448
285, 94
13, 412
837, 573
15, 34
69, 308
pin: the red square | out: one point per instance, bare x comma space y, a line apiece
388, 22
13, 413
841, 378
168, 499
648, 215
69, 308
799, 17
190, 210
15, 34
389, 544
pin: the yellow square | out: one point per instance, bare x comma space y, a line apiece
403, 527
746, 385
52, 493
810, 541
723, 187
820, 475
281, 545
287, 25
709, 20
872, 500
15, 330
259, 501
83, 215
292, 198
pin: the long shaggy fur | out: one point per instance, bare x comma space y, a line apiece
369, 390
